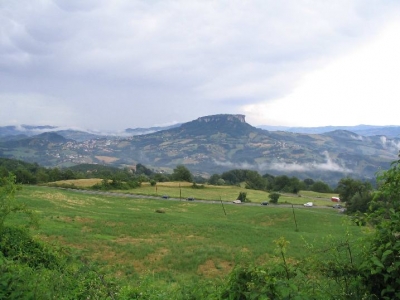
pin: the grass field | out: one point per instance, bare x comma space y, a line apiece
191, 240
184, 190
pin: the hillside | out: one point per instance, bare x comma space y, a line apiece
213, 144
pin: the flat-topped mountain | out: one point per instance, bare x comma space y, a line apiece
213, 144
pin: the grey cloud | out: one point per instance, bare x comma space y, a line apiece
171, 59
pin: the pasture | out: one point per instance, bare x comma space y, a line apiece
189, 241
183, 190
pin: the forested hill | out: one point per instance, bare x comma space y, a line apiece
214, 144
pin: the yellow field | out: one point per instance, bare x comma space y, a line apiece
107, 159
79, 182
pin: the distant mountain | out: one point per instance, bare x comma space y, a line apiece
365, 130
37, 141
214, 144
26, 130
142, 131
8, 133
76, 135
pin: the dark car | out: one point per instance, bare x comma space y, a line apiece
165, 196
264, 203
190, 198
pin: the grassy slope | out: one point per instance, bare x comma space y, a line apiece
189, 241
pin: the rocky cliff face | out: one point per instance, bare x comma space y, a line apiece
219, 118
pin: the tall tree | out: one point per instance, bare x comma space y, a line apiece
181, 173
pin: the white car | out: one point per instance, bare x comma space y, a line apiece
308, 204
237, 201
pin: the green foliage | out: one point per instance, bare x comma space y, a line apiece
252, 179
274, 197
8, 205
381, 266
320, 187
17, 244
277, 280
115, 184
197, 186
285, 184
181, 173
359, 203
31, 270
141, 169
308, 182
242, 197
213, 180
348, 187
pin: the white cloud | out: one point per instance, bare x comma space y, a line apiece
358, 88
328, 165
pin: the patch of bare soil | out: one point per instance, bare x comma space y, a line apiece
212, 269
158, 255
107, 159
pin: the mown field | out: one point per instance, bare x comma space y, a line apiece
190, 241
183, 190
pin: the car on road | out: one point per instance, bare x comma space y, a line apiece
190, 198
237, 201
308, 204
165, 196
264, 203
337, 206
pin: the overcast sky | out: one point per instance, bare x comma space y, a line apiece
116, 64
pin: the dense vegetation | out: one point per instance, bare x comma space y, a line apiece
115, 178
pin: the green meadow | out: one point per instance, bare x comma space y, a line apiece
183, 190
188, 240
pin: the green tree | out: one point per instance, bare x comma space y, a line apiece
320, 187
214, 179
359, 203
181, 173
141, 169
308, 182
255, 181
381, 267
280, 182
242, 197
274, 197
348, 187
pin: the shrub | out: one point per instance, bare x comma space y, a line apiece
197, 186
242, 197
274, 197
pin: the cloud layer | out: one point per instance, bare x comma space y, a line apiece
116, 64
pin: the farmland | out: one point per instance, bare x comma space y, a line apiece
183, 190
188, 241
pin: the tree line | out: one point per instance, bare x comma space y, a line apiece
355, 193
28, 173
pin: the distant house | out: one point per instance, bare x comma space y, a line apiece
335, 199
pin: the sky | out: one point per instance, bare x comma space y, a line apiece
116, 64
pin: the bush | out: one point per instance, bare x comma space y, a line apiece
274, 197
196, 186
242, 197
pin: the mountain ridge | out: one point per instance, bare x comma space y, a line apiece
213, 144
